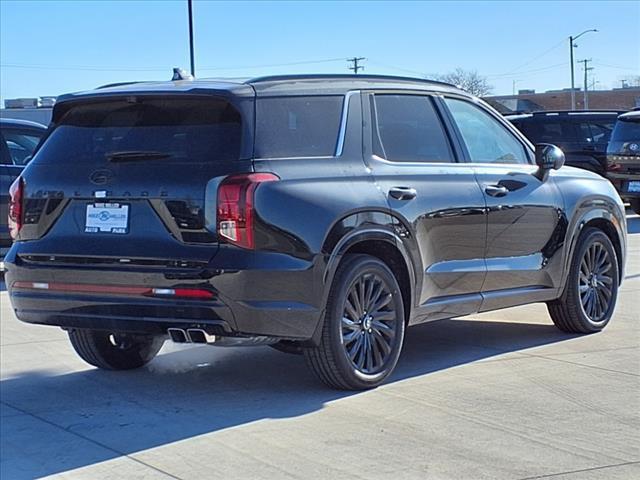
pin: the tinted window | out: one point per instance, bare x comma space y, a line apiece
601, 131
185, 129
486, 139
21, 145
409, 130
297, 126
554, 132
627, 131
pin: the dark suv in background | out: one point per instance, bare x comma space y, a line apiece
583, 136
18, 140
318, 214
623, 155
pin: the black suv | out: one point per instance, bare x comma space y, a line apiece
582, 135
318, 214
623, 155
18, 140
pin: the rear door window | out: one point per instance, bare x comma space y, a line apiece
409, 130
183, 130
305, 126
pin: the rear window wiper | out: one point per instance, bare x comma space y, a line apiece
135, 155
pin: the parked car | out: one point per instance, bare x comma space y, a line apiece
623, 155
318, 214
18, 139
582, 135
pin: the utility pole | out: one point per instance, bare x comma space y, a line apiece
354, 61
191, 54
586, 85
514, 86
571, 47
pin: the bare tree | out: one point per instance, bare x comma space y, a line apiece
468, 80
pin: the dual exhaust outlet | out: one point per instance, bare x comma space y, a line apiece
198, 335
191, 335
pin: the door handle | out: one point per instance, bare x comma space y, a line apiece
402, 193
496, 190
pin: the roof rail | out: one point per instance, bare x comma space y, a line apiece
118, 84
569, 112
344, 76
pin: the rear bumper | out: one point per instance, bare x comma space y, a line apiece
272, 295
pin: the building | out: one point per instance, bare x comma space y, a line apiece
529, 101
34, 109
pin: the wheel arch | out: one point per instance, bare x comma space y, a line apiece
606, 221
382, 243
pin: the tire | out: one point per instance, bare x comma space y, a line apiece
593, 273
113, 351
288, 346
635, 205
358, 350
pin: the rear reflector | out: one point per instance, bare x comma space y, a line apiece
190, 293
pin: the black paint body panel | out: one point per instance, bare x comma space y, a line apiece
463, 251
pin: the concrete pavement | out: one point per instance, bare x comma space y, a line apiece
502, 395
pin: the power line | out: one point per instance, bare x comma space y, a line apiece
542, 69
534, 58
354, 61
392, 67
616, 66
120, 68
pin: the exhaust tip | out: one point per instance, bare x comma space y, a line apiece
177, 335
197, 335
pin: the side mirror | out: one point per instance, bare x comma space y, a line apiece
548, 157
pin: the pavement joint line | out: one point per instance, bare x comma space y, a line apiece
569, 472
584, 365
532, 355
487, 422
598, 350
95, 442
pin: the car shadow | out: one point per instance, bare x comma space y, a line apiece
190, 392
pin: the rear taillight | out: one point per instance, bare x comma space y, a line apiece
16, 207
235, 214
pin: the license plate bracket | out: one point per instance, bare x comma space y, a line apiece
107, 218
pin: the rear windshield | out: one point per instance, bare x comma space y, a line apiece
626, 131
192, 130
297, 126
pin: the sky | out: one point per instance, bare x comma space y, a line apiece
51, 47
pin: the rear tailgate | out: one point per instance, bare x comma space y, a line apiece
623, 156
131, 179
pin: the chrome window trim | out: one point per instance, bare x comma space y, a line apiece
343, 122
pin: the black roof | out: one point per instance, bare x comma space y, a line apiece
272, 85
19, 123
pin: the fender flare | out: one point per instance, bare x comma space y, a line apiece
599, 213
344, 244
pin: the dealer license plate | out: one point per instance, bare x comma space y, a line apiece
634, 187
107, 217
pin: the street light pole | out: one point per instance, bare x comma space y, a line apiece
191, 55
573, 79
571, 47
